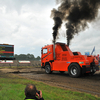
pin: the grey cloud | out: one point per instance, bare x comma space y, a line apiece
18, 4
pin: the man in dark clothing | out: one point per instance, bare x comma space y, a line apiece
31, 92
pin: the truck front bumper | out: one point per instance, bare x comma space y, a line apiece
88, 69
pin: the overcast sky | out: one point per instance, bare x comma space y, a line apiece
27, 25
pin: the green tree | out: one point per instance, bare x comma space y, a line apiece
26, 57
38, 58
30, 56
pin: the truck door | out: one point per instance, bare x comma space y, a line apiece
47, 54
44, 54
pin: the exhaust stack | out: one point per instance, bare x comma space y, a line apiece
54, 55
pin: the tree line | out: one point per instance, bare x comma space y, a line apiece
26, 57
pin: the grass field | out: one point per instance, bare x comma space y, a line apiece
12, 88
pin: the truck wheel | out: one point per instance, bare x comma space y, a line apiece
74, 70
48, 69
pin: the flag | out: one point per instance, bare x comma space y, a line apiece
93, 50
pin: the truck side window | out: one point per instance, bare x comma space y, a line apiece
63, 47
44, 51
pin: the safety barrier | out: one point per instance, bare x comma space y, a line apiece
20, 63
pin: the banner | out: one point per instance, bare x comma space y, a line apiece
7, 61
26, 62
93, 50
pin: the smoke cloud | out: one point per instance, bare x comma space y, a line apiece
76, 14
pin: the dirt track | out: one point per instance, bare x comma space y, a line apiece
88, 84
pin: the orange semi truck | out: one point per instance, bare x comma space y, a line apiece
58, 57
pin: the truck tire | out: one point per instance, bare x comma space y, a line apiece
48, 69
74, 70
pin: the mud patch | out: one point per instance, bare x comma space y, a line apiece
33, 72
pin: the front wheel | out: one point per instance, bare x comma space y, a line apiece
74, 70
48, 69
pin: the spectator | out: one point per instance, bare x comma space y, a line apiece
32, 93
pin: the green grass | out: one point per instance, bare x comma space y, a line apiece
12, 88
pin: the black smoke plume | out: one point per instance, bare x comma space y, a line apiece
76, 14
57, 17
